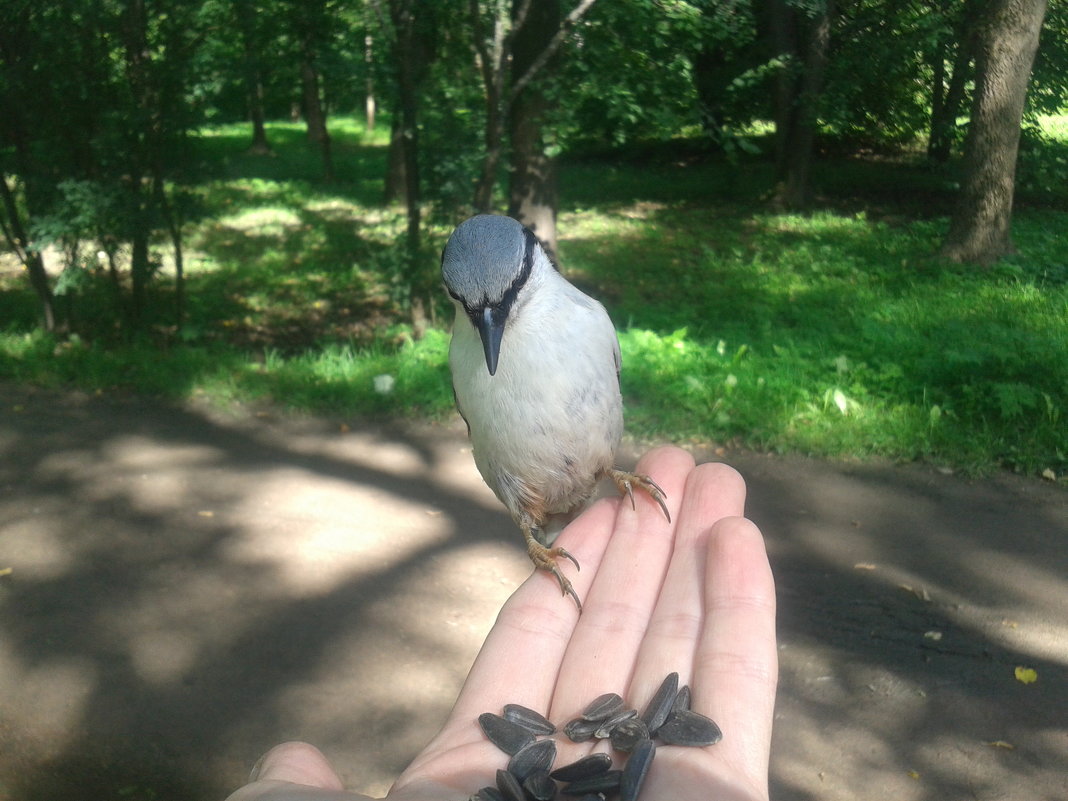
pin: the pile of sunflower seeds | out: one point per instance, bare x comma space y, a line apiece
530, 775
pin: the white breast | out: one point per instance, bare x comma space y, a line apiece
551, 417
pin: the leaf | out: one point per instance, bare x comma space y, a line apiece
1026, 675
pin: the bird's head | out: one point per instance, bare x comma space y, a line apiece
486, 263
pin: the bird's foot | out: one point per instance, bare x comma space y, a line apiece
545, 559
627, 481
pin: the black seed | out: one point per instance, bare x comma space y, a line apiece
592, 765
682, 700
508, 736
509, 786
587, 766
627, 735
591, 797
579, 730
686, 727
634, 771
530, 720
536, 756
656, 712
488, 794
603, 707
606, 782
539, 786
604, 731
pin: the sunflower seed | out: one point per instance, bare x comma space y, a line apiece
591, 797
606, 782
592, 765
509, 786
539, 786
579, 730
530, 720
634, 771
487, 794
604, 731
682, 700
628, 734
686, 727
603, 707
536, 756
656, 712
508, 736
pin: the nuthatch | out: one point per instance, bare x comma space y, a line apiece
535, 370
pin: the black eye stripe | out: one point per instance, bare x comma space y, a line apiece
510, 294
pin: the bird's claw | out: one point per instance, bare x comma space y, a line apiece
558, 551
545, 559
625, 482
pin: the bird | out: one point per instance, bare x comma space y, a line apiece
535, 368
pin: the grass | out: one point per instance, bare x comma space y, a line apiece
838, 333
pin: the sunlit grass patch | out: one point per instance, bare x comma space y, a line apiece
839, 333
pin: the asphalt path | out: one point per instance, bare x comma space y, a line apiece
181, 589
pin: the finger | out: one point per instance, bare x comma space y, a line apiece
293, 772
298, 763
713, 491
736, 668
518, 662
600, 656
534, 627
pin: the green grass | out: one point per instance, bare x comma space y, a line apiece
838, 334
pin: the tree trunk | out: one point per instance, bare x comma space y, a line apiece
797, 99
395, 176
15, 233
260, 146
314, 114
369, 84
945, 107
408, 67
532, 173
253, 76
980, 228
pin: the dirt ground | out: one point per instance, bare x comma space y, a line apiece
181, 590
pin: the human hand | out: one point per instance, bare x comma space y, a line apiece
694, 596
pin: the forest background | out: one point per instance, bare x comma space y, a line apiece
832, 228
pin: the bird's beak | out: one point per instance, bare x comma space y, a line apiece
490, 325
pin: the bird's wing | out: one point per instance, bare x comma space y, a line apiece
456, 400
616, 355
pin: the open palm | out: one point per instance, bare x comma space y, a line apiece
694, 596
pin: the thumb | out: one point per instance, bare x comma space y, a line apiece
292, 772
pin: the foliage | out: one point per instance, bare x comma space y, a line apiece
785, 332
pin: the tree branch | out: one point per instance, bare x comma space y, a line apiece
550, 49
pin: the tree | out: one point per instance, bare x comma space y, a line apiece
96, 137
980, 227
532, 172
505, 78
955, 44
252, 45
14, 228
310, 22
802, 39
412, 52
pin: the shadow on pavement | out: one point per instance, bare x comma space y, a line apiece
188, 590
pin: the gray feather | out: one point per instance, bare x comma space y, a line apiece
483, 258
